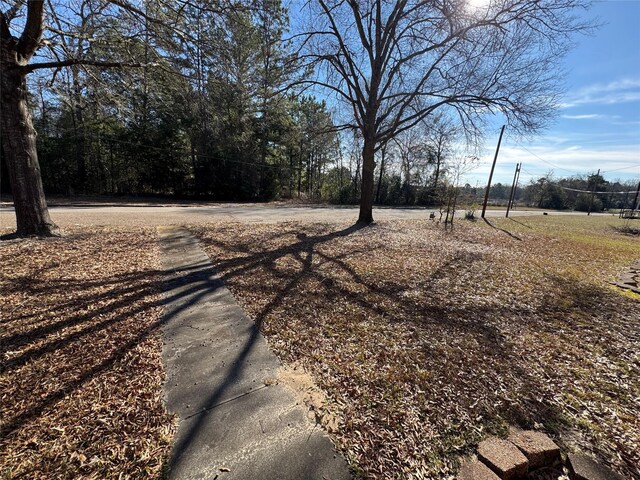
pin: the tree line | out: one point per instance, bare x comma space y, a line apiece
568, 193
351, 101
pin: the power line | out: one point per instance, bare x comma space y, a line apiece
572, 171
576, 189
587, 191
622, 168
529, 173
543, 160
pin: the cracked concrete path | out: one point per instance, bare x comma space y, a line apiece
235, 422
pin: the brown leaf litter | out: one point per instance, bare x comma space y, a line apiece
424, 341
81, 375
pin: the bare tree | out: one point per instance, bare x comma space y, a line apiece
458, 166
395, 63
18, 134
415, 153
441, 134
65, 41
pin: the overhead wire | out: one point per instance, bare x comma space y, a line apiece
543, 160
591, 191
637, 165
572, 171
576, 189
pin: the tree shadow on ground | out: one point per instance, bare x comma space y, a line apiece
476, 363
519, 223
74, 346
512, 235
474, 353
58, 332
204, 281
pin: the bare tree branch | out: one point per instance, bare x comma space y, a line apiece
85, 61
13, 11
400, 62
5, 33
32, 33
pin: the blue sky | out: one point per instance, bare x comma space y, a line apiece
598, 125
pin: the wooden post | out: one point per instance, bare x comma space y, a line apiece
624, 203
513, 189
635, 201
595, 186
495, 159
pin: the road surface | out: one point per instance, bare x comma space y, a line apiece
154, 214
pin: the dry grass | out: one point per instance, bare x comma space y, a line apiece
81, 375
426, 341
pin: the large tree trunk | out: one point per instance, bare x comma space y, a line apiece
366, 194
383, 152
16, 127
19, 145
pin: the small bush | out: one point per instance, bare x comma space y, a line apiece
628, 229
470, 214
583, 200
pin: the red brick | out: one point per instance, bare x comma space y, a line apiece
582, 467
475, 470
503, 457
539, 449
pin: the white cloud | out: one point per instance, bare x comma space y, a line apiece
620, 91
582, 117
575, 158
590, 116
623, 161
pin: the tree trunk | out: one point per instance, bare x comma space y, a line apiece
383, 152
436, 176
19, 144
366, 194
291, 173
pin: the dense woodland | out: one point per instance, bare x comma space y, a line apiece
201, 116
361, 102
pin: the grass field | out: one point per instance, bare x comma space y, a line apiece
426, 341
81, 372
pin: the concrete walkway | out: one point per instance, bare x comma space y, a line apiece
235, 422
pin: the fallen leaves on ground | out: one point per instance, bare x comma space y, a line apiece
81, 375
426, 341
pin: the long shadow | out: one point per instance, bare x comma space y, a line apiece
520, 223
186, 286
145, 298
125, 297
25, 285
496, 354
501, 229
118, 299
50, 399
303, 251
59, 338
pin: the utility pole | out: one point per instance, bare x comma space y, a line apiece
513, 188
635, 201
595, 186
495, 159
